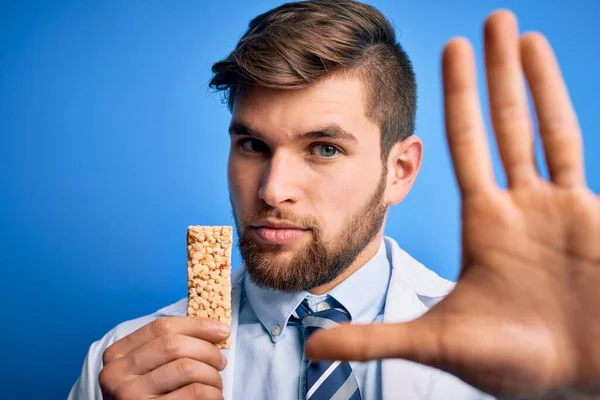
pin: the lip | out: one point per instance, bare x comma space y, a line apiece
277, 224
278, 232
278, 236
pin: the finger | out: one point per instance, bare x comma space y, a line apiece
508, 99
194, 391
167, 348
202, 328
557, 121
464, 124
180, 373
416, 341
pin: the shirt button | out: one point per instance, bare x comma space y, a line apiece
276, 330
323, 306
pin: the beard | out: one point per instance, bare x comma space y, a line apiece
317, 263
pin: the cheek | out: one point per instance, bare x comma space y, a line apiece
243, 181
341, 195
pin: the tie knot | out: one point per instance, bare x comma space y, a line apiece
328, 315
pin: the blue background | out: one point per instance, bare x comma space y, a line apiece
111, 145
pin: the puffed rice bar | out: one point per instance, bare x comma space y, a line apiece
209, 273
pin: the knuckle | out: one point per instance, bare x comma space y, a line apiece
199, 391
196, 391
213, 355
558, 129
363, 349
109, 355
510, 112
554, 125
170, 344
133, 361
108, 380
161, 326
185, 367
103, 379
467, 134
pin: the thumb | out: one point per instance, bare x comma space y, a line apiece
418, 341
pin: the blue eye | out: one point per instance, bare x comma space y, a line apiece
326, 150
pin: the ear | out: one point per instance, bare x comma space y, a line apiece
403, 164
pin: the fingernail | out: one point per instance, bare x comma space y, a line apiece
217, 326
224, 360
223, 328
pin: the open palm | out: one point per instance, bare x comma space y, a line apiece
524, 317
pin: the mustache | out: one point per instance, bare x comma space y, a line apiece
279, 214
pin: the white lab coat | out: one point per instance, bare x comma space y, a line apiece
413, 290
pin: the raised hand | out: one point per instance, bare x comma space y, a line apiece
524, 317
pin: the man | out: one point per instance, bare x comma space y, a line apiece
323, 106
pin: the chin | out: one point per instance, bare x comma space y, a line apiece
284, 257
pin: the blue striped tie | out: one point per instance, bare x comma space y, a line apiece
327, 380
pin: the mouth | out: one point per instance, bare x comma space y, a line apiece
277, 232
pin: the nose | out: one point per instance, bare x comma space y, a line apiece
279, 183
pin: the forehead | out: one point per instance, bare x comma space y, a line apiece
333, 101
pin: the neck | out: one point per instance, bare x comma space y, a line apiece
364, 256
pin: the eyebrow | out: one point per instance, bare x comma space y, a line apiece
333, 132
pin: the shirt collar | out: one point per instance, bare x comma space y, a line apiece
363, 293
274, 308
